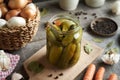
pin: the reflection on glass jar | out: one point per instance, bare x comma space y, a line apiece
64, 36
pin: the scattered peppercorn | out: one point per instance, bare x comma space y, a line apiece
78, 17
70, 12
81, 12
50, 75
56, 77
105, 27
93, 14
41, 9
84, 13
85, 17
83, 28
46, 24
61, 74
76, 14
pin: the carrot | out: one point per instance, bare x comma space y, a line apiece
57, 22
90, 72
100, 73
113, 76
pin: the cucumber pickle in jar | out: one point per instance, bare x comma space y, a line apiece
64, 36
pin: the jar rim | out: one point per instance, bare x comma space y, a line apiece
65, 16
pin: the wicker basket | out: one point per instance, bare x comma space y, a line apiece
17, 37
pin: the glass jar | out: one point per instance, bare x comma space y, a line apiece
95, 3
68, 4
64, 36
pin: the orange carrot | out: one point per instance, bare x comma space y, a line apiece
113, 76
90, 72
57, 22
100, 73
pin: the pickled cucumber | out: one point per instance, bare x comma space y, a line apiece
48, 47
55, 52
50, 35
67, 39
56, 27
58, 35
67, 55
76, 56
72, 27
66, 25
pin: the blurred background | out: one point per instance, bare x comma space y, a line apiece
44, 0
40, 0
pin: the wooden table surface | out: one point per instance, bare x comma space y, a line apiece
53, 8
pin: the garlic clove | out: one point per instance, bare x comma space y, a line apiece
116, 58
16, 22
2, 23
4, 61
16, 76
116, 8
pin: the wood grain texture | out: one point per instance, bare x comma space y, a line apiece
69, 73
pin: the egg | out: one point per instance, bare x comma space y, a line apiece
32, 6
17, 4
2, 23
3, 9
12, 13
16, 22
29, 11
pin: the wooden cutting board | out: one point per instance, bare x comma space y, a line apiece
68, 74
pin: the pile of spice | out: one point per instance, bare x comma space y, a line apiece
104, 26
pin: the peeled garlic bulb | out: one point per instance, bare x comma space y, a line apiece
16, 76
116, 7
4, 61
2, 23
111, 59
16, 22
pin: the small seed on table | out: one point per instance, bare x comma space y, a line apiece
85, 17
56, 77
61, 74
50, 75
